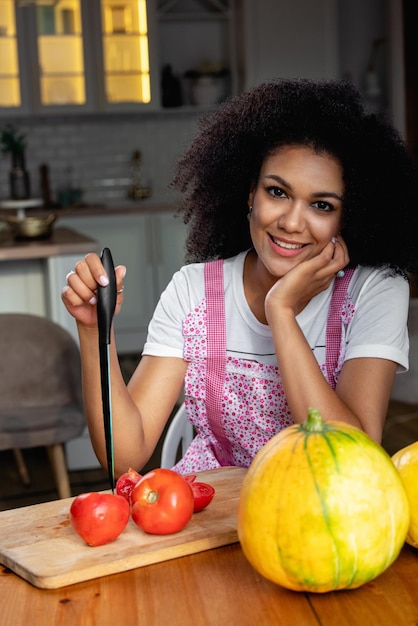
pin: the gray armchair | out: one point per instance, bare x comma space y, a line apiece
40, 390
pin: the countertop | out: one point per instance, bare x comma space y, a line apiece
145, 206
89, 210
62, 241
65, 240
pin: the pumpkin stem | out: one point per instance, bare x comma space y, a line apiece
314, 422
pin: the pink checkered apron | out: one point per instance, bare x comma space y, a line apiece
216, 348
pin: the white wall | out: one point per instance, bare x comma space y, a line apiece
99, 148
290, 39
328, 39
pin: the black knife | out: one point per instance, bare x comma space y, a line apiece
106, 303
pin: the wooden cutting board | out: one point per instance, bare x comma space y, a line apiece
38, 543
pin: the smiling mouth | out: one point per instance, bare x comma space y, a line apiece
287, 246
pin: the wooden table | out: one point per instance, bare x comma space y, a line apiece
217, 587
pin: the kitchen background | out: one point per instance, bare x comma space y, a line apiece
200, 51
90, 146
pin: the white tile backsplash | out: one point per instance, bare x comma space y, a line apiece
94, 153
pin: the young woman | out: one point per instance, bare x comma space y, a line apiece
302, 209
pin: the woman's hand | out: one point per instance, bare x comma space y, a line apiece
293, 291
80, 294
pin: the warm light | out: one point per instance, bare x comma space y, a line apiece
126, 51
60, 49
143, 51
9, 66
142, 17
146, 92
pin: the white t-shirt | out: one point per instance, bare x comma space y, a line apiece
378, 327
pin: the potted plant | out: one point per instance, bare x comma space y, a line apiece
13, 142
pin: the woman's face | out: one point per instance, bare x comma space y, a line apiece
296, 207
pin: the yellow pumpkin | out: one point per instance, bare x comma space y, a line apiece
406, 462
322, 507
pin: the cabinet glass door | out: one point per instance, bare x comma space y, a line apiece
9, 64
125, 51
60, 53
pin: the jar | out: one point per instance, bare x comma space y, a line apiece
206, 90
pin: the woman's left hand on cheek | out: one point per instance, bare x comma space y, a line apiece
295, 289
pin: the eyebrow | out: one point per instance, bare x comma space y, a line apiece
317, 194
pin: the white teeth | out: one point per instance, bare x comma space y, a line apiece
288, 246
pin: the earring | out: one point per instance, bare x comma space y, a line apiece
250, 208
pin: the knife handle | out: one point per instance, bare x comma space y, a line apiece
106, 298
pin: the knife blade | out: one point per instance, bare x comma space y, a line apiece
106, 303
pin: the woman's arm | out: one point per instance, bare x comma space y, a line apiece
364, 386
363, 390
139, 411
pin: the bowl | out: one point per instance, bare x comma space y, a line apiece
32, 227
4, 230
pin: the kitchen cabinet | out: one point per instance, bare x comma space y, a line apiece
124, 51
10, 87
44, 65
206, 62
151, 245
75, 56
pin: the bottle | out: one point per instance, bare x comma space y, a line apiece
19, 177
171, 88
136, 190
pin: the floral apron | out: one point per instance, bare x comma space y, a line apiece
237, 405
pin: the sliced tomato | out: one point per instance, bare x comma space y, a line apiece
126, 482
203, 494
189, 478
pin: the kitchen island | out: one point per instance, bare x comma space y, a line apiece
144, 236
32, 273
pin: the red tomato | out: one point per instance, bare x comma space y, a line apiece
126, 482
189, 478
99, 518
202, 494
162, 502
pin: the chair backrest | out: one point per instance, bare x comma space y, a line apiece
179, 433
40, 382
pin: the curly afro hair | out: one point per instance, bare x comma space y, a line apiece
222, 164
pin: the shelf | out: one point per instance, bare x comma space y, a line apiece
169, 7
193, 17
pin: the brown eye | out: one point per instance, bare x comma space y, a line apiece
324, 206
276, 192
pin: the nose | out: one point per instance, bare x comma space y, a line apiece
292, 218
